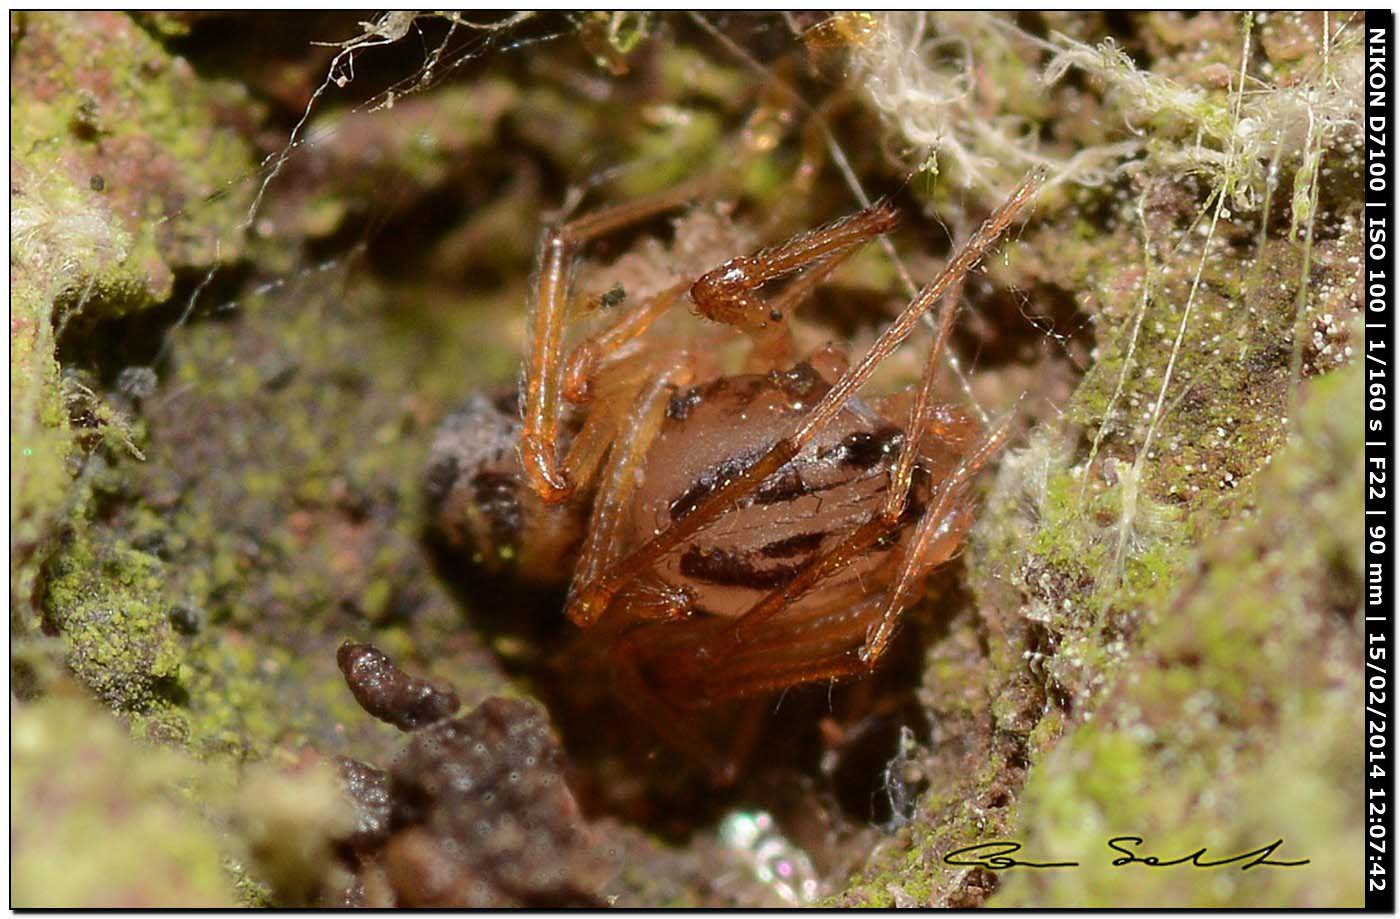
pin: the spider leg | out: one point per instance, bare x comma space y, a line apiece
762, 655
937, 536
544, 369
619, 477
670, 723
589, 355
731, 293
838, 666
901, 481
611, 392
819, 647
774, 348
598, 594
757, 654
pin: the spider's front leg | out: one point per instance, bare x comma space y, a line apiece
544, 369
731, 293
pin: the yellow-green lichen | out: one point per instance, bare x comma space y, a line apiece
121, 176
98, 820
106, 599
1245, 660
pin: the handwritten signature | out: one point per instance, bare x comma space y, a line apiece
997, 856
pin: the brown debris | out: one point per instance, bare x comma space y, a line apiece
473, 813
369, 788
389, 694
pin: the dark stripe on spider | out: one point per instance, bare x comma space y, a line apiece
793, 546
787, 484
711, 482
865, 449
729, 569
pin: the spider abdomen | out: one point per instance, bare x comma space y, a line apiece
712, 434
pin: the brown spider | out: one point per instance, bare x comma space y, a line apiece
740, 533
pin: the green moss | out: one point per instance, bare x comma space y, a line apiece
267, 556
121, 176
687, 73
1074, 562
1164, 705
290, 534
108, 124
287, 822
680, 140
106, 599
1186, 752
419, 149
1294, 43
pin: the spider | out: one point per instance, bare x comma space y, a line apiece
729, 535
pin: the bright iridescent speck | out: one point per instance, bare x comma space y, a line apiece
782, 867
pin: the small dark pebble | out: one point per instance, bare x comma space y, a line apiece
185, 620
97, 183
389, 694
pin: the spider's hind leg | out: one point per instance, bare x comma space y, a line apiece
676, 724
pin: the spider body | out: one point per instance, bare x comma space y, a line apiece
712, 431
727, 534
